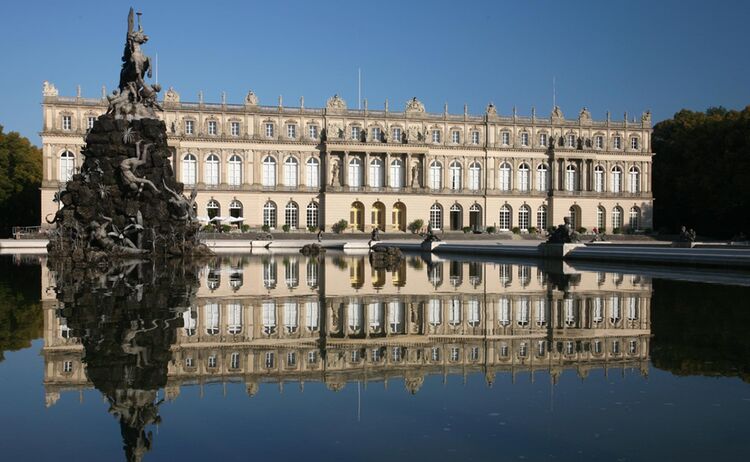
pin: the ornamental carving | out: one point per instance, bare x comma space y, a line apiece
646, 117
171, 96
251, 99
335, 102
491, 109
557, 113
49, 89
414, 105
584, 115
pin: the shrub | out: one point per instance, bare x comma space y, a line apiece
245, 228
617, 231
340, 226
582, 230
491, 230
516, 230
265, 228
209, 229
532, 230
466, 229
415, 226
648, 231
225, 228
285, 228
312, 229
551, 229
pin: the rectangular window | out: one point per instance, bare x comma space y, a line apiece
617, 142
355, 133
397, 135
313, 131
212, 127
634, 143
188, 127
436, 136
67, 122
376, 134
474, 137
599, 142
291, 131
455, 136
571, 141
543, 139
269, 130
505, 138
68, 366
235, 128
524, 139
90, 122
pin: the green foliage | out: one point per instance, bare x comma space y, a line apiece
617, 231
285, 228
245, 228
225, 228
491, 230
312, 229
466, 229
532, 230
265, 228
340, 226
415, 226
209, 228
701, 172
20, 180
582, 230
21, 319
516, 230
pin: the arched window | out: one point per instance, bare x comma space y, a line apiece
234, 318
313, 173
212, 170
376, 173
355, 173
475, 216
213, 209
616, 179
291, 172
291, 215
235, 211
617, 218
312, 215
635, 180
436, 216
505, 218
475, 176
456, 217
574, 212
269, 171
269, 215
189, 175
455, 171
211, 318
524, 218
397, 173
635, 218
67, 166
505, 176
601, 219
598, 178
570, 178
542, 179
523, 177
235, 170
436, 175
541, 217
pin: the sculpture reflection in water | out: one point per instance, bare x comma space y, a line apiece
125, 320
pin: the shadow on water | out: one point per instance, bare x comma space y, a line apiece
20, 314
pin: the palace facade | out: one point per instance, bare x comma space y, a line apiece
307, 168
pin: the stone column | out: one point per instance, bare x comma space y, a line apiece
344, 170
407, 171
445, 172
387, 170
366, 173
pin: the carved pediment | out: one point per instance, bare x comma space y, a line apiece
414, 105
251, 99
171, 96
335, 102
646, 118
584, 115
49, 89
491, 109
557, 113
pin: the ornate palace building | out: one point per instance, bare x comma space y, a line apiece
304, 167
337, 320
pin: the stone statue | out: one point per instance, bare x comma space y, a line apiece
335, 174
183, 208
415, 175
564, 234
128, 166
687, 235
414, 105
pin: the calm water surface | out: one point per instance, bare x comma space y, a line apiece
285, 357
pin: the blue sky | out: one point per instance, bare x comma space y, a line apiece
617, 56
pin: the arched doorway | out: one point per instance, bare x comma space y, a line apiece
456, 217
475, 217
378, 215
575, 216
357, 216
399, 216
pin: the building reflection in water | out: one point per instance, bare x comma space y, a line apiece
337, 320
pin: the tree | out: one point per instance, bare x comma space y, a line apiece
20, 180
701, 172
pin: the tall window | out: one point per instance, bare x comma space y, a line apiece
524, 138
598, 178
291, 215
505, 176
570, 178
436, 216
355, 173
634, 142
397, 173
574, 215
635, 218
436, 136
213, 209
313, 173
234, 318
474, 137
67, 166
234, 128
189, 169
617, 142
189, 127
312, 215
475, 175
269, 130
541, 217
601, 217
67, 122
524, 217
455, 175
235, 210
376, 134
455, 137
235, 170
635, 180
505, 138
269, 215
355, 133
269, 171
542, 178
312, 131
211, 318
617, 218
90, 122
598, 141
212, 127
291, 131
376, 173
571, 141
505, 218
543, 139
212, 170
436, 175
396, 134
523, 177
291, 172
616, 179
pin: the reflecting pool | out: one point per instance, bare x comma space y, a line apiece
285, 357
